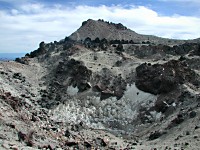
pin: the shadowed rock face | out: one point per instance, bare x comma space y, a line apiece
109, 84
152, 51
68, 72
163, 78
75, 70
71, 72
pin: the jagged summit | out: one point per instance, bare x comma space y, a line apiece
112, 31
102, 29
117, 26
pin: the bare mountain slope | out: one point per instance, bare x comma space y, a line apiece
94, 94
112, 31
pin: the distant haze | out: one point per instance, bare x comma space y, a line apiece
10, 56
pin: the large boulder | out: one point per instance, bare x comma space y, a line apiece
78, 73
163, 78
109, 84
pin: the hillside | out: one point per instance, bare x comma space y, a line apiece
111, 31
96, 90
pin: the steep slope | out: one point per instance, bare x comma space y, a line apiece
111, 31
195, 40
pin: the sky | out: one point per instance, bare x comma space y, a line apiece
25, 23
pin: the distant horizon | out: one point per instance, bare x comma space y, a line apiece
10, 56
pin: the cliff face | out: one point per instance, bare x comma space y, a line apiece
102, 82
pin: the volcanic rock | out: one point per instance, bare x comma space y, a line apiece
163, 78
103, 87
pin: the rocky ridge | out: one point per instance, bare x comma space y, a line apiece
100, 90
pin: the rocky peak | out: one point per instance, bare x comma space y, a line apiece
102, 29
118, 26
114, 31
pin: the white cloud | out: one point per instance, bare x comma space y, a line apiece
22, 29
